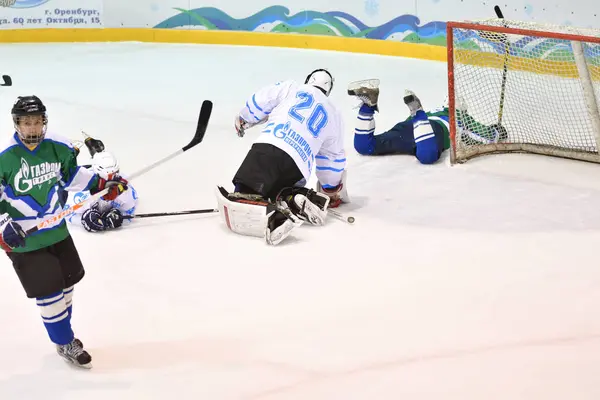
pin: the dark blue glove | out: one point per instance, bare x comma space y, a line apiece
12, 234
92, 219
113, 218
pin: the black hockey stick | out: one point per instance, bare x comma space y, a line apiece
171, 213
203, 119
505, 68
7, 80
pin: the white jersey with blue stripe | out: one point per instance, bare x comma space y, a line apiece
126, 202
304, 123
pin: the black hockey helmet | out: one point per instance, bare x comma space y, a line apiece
29, 106
322, 79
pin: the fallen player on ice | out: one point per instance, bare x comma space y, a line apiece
102, 215
425, 135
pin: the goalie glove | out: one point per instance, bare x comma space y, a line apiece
338, 194
115, 185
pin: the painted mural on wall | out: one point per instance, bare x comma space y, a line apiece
404, 28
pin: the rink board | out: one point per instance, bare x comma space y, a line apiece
317, 42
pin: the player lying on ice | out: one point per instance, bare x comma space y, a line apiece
103, 215
34, 164
303, 129
424, 135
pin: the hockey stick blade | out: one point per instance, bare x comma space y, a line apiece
203, 120
7, 80
171, 213
498, 12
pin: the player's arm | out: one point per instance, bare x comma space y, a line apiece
331, 168
76, 178
260, 104
474, 132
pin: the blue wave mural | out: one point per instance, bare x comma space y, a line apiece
405, 28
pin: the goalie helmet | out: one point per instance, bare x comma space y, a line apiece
322, 79
105, 165
30, 119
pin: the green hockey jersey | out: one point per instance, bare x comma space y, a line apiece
31, 181
471, 131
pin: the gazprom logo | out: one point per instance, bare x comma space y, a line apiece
79, 197
22, 3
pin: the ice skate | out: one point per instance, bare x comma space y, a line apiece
412, 101
366, 90
75, 354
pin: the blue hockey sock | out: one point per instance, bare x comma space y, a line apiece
56, 317
364, 131
427, 150
68, 293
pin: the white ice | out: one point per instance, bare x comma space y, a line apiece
478, 281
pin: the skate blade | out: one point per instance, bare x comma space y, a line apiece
75, 363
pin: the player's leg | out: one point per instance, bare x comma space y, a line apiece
72, 272
427, 148
41, 276
368, 93
266, 170
398, 140
278, 175
252, 215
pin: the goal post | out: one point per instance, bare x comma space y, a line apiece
523, 87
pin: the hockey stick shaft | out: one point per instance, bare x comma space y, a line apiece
499, 14
342, 217
203, 119
172, 213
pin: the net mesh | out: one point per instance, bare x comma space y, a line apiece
544, 108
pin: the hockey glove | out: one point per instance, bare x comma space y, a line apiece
92, 219
241, 125
94, 145
116, 185
334, 195
500, 133
113, 218
12, 235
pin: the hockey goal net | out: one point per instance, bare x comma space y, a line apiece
523, 87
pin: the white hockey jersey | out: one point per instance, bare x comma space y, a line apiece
304, 123
126, 202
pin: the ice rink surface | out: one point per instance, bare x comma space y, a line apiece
477, 281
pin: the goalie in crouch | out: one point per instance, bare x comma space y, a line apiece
303, 130
424, 135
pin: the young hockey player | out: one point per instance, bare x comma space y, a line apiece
303, 129
32, 165
102, 215
424, 134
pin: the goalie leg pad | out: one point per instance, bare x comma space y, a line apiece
251, 215
306, 204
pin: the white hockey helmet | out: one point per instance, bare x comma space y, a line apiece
105, 165
322, 79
